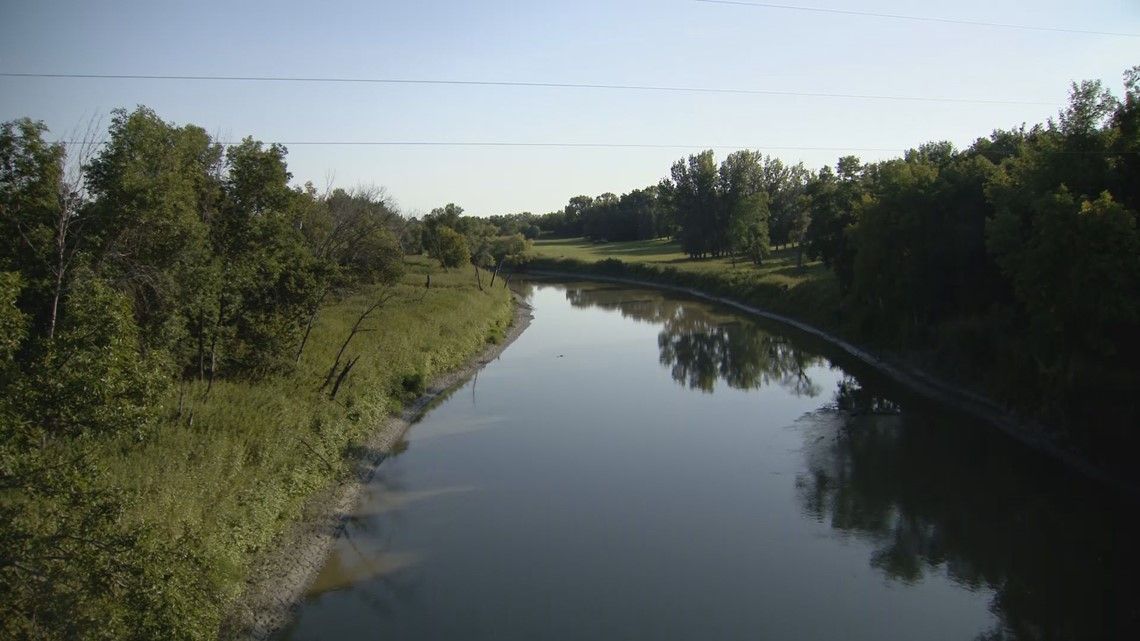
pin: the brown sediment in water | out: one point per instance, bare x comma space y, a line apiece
282, 577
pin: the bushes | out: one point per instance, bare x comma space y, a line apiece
165, 334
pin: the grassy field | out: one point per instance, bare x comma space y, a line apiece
238, 464
808, 292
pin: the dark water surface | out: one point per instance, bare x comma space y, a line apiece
643, 466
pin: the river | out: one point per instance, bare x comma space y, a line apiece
640, 465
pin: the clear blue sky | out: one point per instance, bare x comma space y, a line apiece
647, 42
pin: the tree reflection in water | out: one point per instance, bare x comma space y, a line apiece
700, 346
934, 496
931, 494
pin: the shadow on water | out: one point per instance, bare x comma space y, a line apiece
939, 506
701, 345
932, 497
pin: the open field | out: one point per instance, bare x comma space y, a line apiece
808, 292
779, 268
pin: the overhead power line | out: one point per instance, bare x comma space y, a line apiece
572, 145
575, 145
899, 16
503, 83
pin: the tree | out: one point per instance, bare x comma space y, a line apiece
154, 194
785, 186
42, 205
835, 201
450, 248
692, 193
743, 207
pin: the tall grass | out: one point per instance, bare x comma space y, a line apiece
237, 464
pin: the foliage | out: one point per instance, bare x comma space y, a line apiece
158, 413
449, 248
1011, 264
777, 285
720, 212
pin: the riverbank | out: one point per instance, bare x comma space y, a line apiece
208, 491
281, 577
808, 307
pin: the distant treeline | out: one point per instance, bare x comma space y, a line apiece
454, 239
1014, 262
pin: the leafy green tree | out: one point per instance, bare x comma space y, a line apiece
40, 213
450, 248
785, 186
154, 189
69, 567
1062, 269
92, 378
692, 193
167, 258
743, 206
440, 217
1125, 146
412, 237
835, 201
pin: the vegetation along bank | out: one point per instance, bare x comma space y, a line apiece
1010, 269
192, 350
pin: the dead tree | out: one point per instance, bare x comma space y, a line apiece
71, 196
312, 318
496, 273
356, 329
343, 375
478, 278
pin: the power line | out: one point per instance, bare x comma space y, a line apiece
502, 83
579, 145
897, 16
570, 145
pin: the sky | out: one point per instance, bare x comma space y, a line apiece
678, 43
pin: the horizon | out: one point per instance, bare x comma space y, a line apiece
440, 46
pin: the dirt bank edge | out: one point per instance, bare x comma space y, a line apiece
279, 579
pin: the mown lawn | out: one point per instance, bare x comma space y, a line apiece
808, 292
779, 269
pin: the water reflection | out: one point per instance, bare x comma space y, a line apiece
933, 498
853, 398
700, 345
537, 513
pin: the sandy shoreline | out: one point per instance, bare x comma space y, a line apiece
279, 580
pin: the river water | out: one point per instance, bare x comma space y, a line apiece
640, 465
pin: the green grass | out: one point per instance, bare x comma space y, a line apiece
808, 292
255, 451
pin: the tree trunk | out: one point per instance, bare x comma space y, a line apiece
343, 375
495, 273
355, 330
213, 363
309, 325
201, 346
55, 300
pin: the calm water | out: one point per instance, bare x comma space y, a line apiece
642, 466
